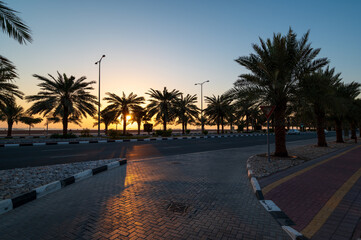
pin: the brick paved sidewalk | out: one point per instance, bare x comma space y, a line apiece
134, 202
322, 197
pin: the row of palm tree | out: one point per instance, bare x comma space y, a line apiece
283, 71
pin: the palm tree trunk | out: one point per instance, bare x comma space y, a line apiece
247, 122
222, 123
353, 131
139, 123
10, 128
217, 126
124, 124
280, 131
288, 123
106, 129
183, 127
321, 138
65, 121
339, 137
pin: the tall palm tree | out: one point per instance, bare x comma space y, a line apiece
11, 24
217, 109
276, 68
11, 113
345, 94
8, 90
123, 106
318, 91
67, 97
162, 105
139, 114
186, 110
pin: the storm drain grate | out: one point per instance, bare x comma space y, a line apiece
177, 207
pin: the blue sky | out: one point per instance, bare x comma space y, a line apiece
152, 44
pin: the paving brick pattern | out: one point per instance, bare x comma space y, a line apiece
341, 224
131, 202
303, 196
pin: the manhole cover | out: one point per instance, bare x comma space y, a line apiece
177, 207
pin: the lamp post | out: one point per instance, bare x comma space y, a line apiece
100, 60
201, 84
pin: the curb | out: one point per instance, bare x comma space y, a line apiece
127, 140
273, 209
9, 204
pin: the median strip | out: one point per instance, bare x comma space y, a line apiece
15, 202
123, 140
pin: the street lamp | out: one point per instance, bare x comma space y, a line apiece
100, 61
201, 84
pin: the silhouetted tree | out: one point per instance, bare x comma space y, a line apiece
186, 110
123, 106
66, 96
162, 105
318, 90
276, 68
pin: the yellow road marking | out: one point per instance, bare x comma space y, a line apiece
325, 212
271, 186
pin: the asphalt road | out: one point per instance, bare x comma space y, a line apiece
19, 157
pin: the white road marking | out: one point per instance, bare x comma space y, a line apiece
64, 156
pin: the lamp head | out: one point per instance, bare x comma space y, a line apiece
103, 56
207, 81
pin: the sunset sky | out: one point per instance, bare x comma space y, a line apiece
152, 44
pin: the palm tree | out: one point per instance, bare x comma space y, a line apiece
11, 113
162, 105
28, 120
318, 91
11, 24
186, 110
67, 97
276, 68
345, 94
354, 117
8, 90
123, 105
217, 109
139, 114
107, 117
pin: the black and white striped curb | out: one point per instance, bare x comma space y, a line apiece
272, 208
126, 140
9, 204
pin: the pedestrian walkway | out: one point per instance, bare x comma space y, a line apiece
192, 196
322, 197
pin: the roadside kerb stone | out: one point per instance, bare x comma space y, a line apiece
48, 188
5, 206
124, 140
9, 204
273, 209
